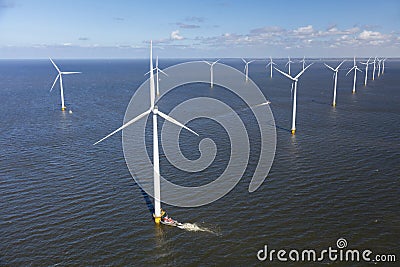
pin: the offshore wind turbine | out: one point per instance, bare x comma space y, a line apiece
59, 76
336, 70
303, 61
271, 63
295, 80
156, 159
211, 71
383, 65
373, 72
379, 67
157, 79
355, 68
366, 70
246, 68
288, 64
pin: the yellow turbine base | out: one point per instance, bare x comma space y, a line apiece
63, 108
157, 220
293, 131
334, 104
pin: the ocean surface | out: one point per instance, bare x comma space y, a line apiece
66, 202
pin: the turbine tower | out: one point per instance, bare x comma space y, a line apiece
60, 74
366, 70
295, 80
373, 72
355, 68
157, 79
383, 65
211, 71
288, 64
246, 68
303, 61
379, 67
271, 63
336, 70
156, 160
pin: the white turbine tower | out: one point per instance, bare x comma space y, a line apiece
295, 80
156, 160
246, 68
157, 79
303, 61
373, 72
383, 65
211, 71
336, 70
355, 68
271, 63
366, 70
379, 67
60, 74
288, 64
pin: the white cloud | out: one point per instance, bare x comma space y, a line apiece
176, 36
307, 30
370, 35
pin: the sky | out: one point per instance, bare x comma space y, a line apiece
199, 29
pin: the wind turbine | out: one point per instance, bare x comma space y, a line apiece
366, 70
157, 79
295, 80
288, 64
379, 67
383, 65
246, 68
271, 63
373, 72
355, 68
60, 74
303, 61
211, 71
336, 70
156, 160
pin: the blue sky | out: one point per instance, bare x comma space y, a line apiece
199, 29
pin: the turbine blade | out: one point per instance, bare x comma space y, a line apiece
215, 62
287, 75
340, 65
251, 61
149, 71
54, 83
329, 67
54, 64
301, 72
162, 72
168, 118
125, 125
244, 61
350, 70
207, 62
71, 72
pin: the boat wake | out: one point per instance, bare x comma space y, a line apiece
192, 227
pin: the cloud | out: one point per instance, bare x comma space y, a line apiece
187, 26
304, 31
83, 39
176, 36
195, 19
370, 35
118, 19
301, 37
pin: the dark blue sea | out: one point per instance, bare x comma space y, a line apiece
66, 202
